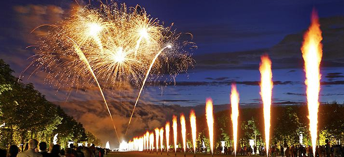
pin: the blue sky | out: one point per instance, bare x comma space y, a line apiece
230, 35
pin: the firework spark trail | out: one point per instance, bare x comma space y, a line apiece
174, 123
193, 129
312, 54
266, 86
235, 114
84, 59
118, 43
210, 122
144, 34
94, 29
167, 131
143, 84
183, 129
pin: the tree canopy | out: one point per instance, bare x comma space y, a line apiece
27, 114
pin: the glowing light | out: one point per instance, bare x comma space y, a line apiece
175, 129
55, 139
312, 54
235, 115
144, 141
157, 132
107, 146
143, 84
183, 125
140, 144
144, 33
169, 46
266, 94
161, 138
193, 129
83, 58
167, 132
94, 29
151, 140
105, 44
123, 146
147, 140
210, 122
119, 56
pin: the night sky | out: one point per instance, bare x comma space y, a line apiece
231, 35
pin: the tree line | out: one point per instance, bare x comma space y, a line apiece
288, 122
26, 114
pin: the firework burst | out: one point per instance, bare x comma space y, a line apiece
110, 45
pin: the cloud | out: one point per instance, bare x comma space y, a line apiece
285, 54
304, 94
332, 76
230, 60
288, 103
31, 16
332, 32
217, 79
93, 115
298, 94
227, 82
175, 101
332, 83
225, 33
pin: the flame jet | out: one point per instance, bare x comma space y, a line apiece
174, 121
193, 129
157, 132
266, 86
151, 141
144, 141
167, 132
161, 138
147, 142
235, 114
183, 125
312, 54
210, 122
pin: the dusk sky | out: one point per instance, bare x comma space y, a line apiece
231, 35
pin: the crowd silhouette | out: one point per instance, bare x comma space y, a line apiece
35, 149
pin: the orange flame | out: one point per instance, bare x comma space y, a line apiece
210, 122
147, 140
235, 114
144, 141
157, 131
312, 54
193, 128
266, 94
174, 121
151, 140
161, 138
182, 123
167, 129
